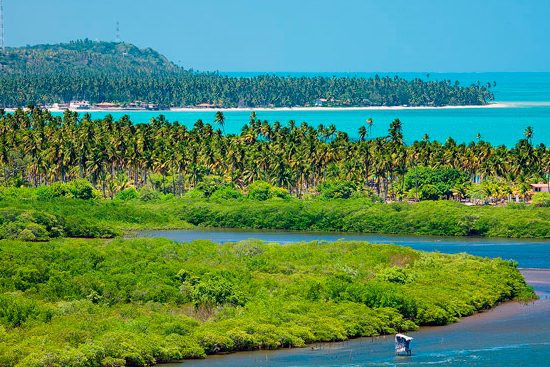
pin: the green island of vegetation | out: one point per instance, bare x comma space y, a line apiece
139, 302
122, 74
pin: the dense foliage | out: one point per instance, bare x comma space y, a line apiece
140, 302
33, 215
122, 73
440, 218
40, 214
37, 148
85, 58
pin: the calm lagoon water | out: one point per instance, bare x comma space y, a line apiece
528, 253
510, 335
527, 93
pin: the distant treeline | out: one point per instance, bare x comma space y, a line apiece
122, 73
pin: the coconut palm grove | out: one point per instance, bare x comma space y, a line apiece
115, 156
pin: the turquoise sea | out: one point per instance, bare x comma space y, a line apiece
527, 94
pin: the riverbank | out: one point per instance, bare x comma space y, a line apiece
502, 336
40, 218
146, 301
440, 218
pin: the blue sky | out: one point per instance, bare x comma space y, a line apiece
303, 35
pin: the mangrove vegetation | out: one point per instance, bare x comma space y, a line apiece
140, 302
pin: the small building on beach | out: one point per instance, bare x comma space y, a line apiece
106, 105
205, 105
539, 187
79, 105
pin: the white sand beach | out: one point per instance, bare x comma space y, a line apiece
373, 108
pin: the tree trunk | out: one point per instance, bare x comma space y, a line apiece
367, 178
231, 173
415, 184
173, 184
180, 182
403, 187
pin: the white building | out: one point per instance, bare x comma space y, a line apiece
79, 105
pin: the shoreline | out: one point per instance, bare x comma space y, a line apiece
370, 108
282, 109
503, 315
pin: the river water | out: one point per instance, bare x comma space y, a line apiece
528, 253
512, 334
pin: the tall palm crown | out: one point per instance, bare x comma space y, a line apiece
219, 119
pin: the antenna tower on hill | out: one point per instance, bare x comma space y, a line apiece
117, 32
2, 26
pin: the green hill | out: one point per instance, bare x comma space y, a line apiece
85, 58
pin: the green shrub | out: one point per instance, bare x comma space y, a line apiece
541, 199
194, 194
37, 230
147, 194
128, 194
77, 189
226, 193
279, 192
209, 185
81, 189
26, 235
394, 275
336, 189
259, 190
430, 192
444, 180
216, 290
16, 310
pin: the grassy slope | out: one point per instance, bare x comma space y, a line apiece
137, 302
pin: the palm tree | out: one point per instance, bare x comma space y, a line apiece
370, 122
362, 133
219, 119
528, 132
395, 133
